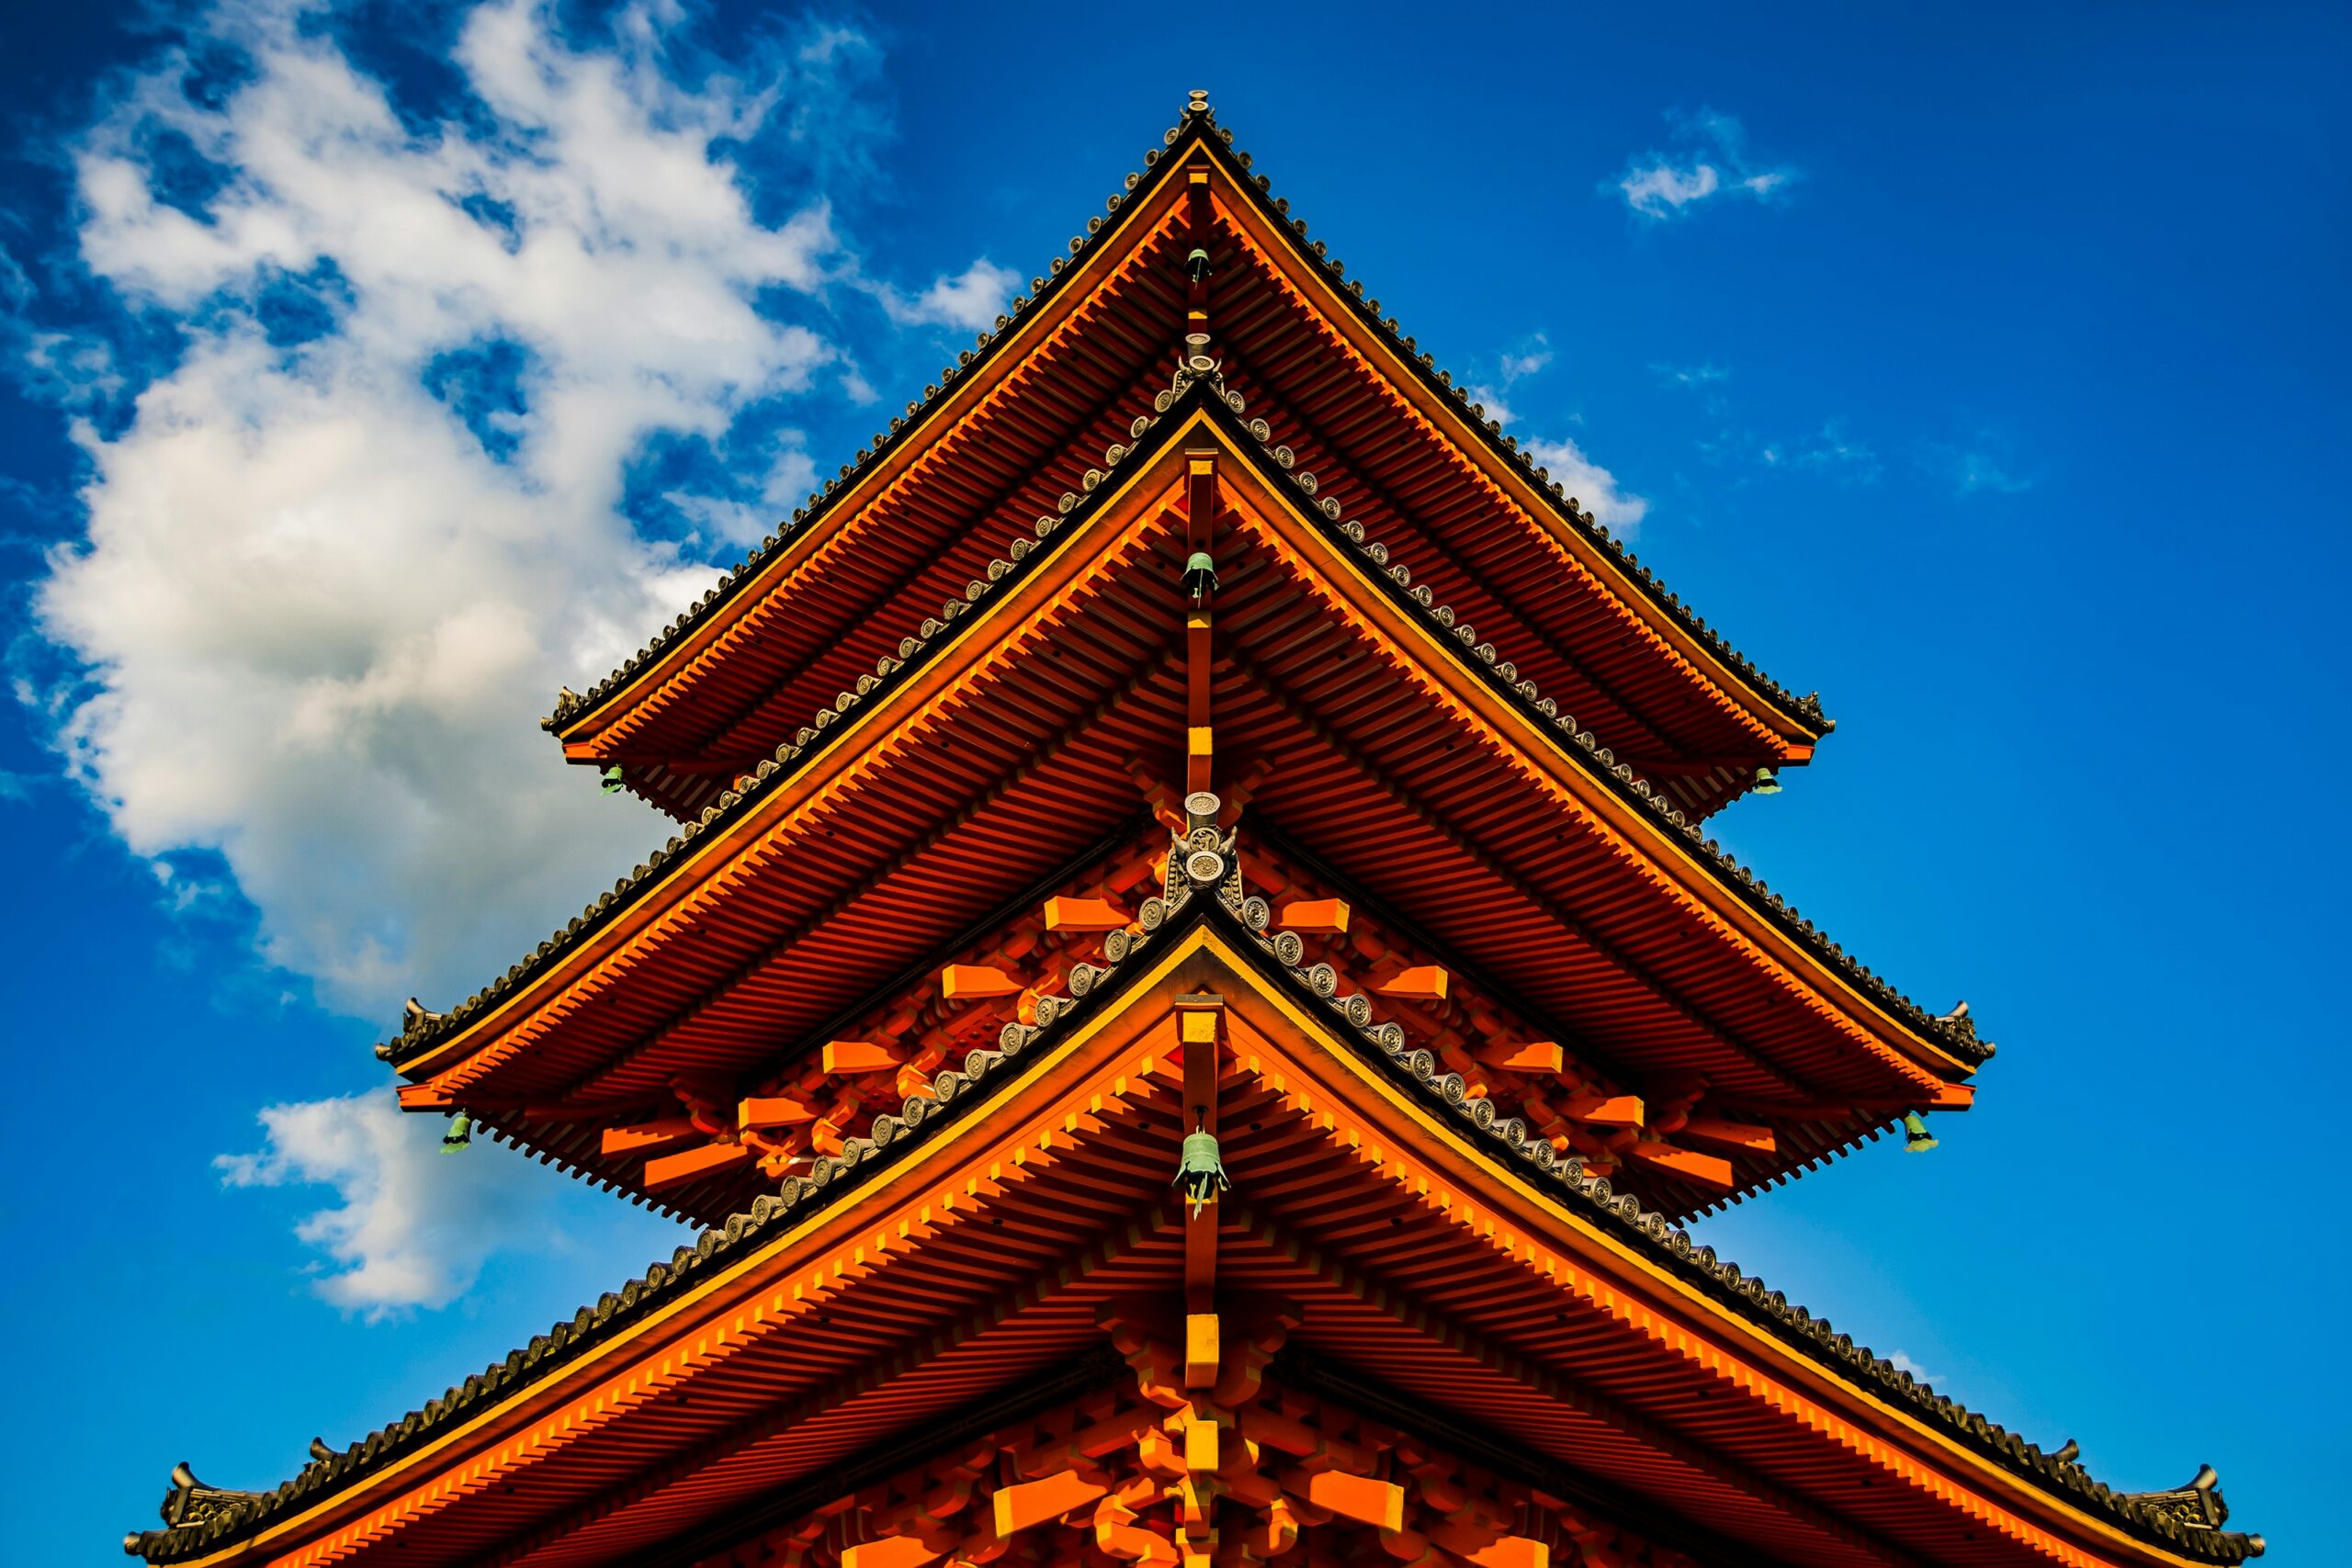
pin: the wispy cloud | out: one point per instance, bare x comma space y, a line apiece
1902, 1363
1690, 375
1710, 160
971, 301
1594, 488
1833, 454
1527, 359
410, 1227
1983, 464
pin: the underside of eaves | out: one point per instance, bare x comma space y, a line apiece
1015, 429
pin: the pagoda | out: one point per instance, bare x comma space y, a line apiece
1191, 995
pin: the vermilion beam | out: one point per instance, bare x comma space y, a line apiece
664, 1170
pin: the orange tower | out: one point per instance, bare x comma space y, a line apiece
1190, 992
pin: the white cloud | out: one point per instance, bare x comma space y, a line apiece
412, 1226
331, 578
1712, 161
1491, 400
972, 300
1980, 470
1590, 485
319, 608
1902, 1363
1842, 456
1532, 357
1594, 487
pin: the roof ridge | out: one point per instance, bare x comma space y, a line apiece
1198, 124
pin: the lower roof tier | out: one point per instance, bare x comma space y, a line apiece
1423, 1286
762, 1082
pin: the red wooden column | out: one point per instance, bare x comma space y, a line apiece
1200, 536
1201, 1020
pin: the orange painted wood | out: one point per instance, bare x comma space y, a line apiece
1535, 1056
1036, 1502
1380, 1503
1426, 981
1314, 917
662, 1170
1201, 1435
962, 982
1511, 1552
860, 1056
1606, 1109
773, 1111
1200, 1021
647, 1136
1711, 1170
891, 1551
1203, 1339
1084, 915
1731, 1135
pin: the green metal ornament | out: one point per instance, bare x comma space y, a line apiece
460, 1133
1200, 575
1916, 1139
1199, 1171
612, 777
1767, 782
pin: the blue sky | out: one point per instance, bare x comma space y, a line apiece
1982, 368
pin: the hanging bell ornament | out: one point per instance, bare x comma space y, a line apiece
460, 1133
1916, 1139
612, 777
1767, 783
1200, 575
1196, 265
1199, 1171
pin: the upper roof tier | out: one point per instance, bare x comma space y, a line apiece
1019, 422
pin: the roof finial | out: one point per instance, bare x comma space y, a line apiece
1200, 102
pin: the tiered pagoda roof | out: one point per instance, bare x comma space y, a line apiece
956, 944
